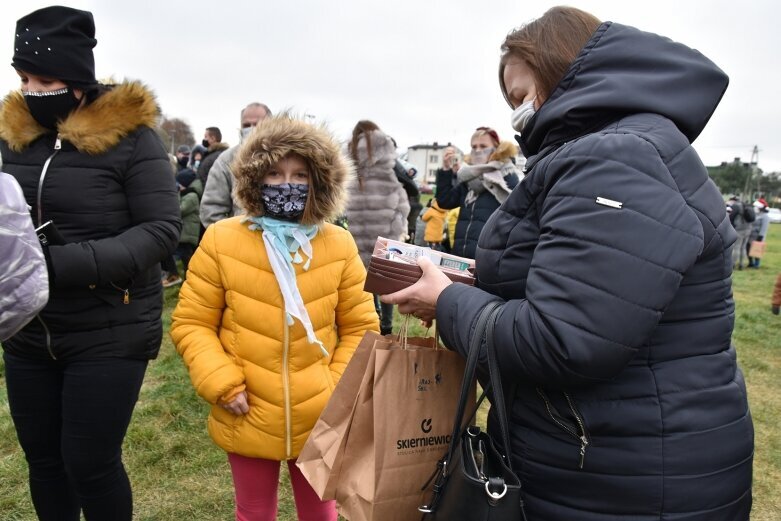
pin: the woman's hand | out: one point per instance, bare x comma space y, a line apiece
420, 299
238, 405
450, 160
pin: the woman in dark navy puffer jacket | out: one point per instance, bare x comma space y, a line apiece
612, 261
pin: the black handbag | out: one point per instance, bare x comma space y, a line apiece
474, 481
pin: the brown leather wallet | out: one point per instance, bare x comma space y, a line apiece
386, 276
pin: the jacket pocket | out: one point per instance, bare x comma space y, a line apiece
575, 427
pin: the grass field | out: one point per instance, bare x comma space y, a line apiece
177, 472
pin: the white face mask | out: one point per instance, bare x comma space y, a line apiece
480, 157
244, 132
522, 115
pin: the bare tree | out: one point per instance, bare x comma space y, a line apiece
175, 132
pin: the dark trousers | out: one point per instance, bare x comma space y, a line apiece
71, 418
185, 252
385, 312
168, 265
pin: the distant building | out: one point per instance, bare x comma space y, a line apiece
428, 159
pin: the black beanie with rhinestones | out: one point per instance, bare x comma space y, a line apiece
56, 42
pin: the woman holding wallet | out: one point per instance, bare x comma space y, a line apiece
87, 159
612, 264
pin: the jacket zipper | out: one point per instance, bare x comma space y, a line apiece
57, 147
466, 235
582, 437
286, 389
48, 337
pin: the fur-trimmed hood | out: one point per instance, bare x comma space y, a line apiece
504, 151
94, 128
276, 137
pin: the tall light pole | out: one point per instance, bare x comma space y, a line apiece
753, 170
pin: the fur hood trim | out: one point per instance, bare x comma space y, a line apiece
92, 129
504, 151
217, 146
276, 137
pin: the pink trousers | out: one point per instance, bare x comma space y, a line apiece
256, 481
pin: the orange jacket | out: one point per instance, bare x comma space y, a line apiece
435, 222
230, 328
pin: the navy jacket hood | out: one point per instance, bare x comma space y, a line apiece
621, 71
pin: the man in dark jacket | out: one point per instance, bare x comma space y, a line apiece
212, 141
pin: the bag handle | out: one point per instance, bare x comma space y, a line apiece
497, 389
489, 311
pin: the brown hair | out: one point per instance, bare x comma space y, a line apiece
362, 127
215, 133
548, 45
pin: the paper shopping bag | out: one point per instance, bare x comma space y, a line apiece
400, 428
757, 249
320, 458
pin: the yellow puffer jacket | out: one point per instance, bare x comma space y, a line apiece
229, 327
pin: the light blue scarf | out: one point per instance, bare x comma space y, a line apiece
283, 240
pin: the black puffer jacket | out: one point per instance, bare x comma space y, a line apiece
108, 188
612, 257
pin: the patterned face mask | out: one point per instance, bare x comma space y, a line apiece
285, 201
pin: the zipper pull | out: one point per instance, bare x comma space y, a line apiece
583, 445
126, 300
57, 143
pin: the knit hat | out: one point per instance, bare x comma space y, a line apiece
56, 42
183, 149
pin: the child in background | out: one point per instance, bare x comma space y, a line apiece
435, 222
272, 309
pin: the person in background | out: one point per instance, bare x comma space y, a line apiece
405, 173
88, 159
24, 281
611, 266
775, 303
190, 191
434, 217
184, 176
268, 380
738, 218
477, 188
218, 202
196, 156
212, 142
377, 205
758, 229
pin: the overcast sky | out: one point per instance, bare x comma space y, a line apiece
424, 70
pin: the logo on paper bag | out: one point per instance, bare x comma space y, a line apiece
423, 443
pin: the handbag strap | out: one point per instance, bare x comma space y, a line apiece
489, 311
497, 390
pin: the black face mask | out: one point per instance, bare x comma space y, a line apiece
205, 144
286, 201
183, 161
48, 108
